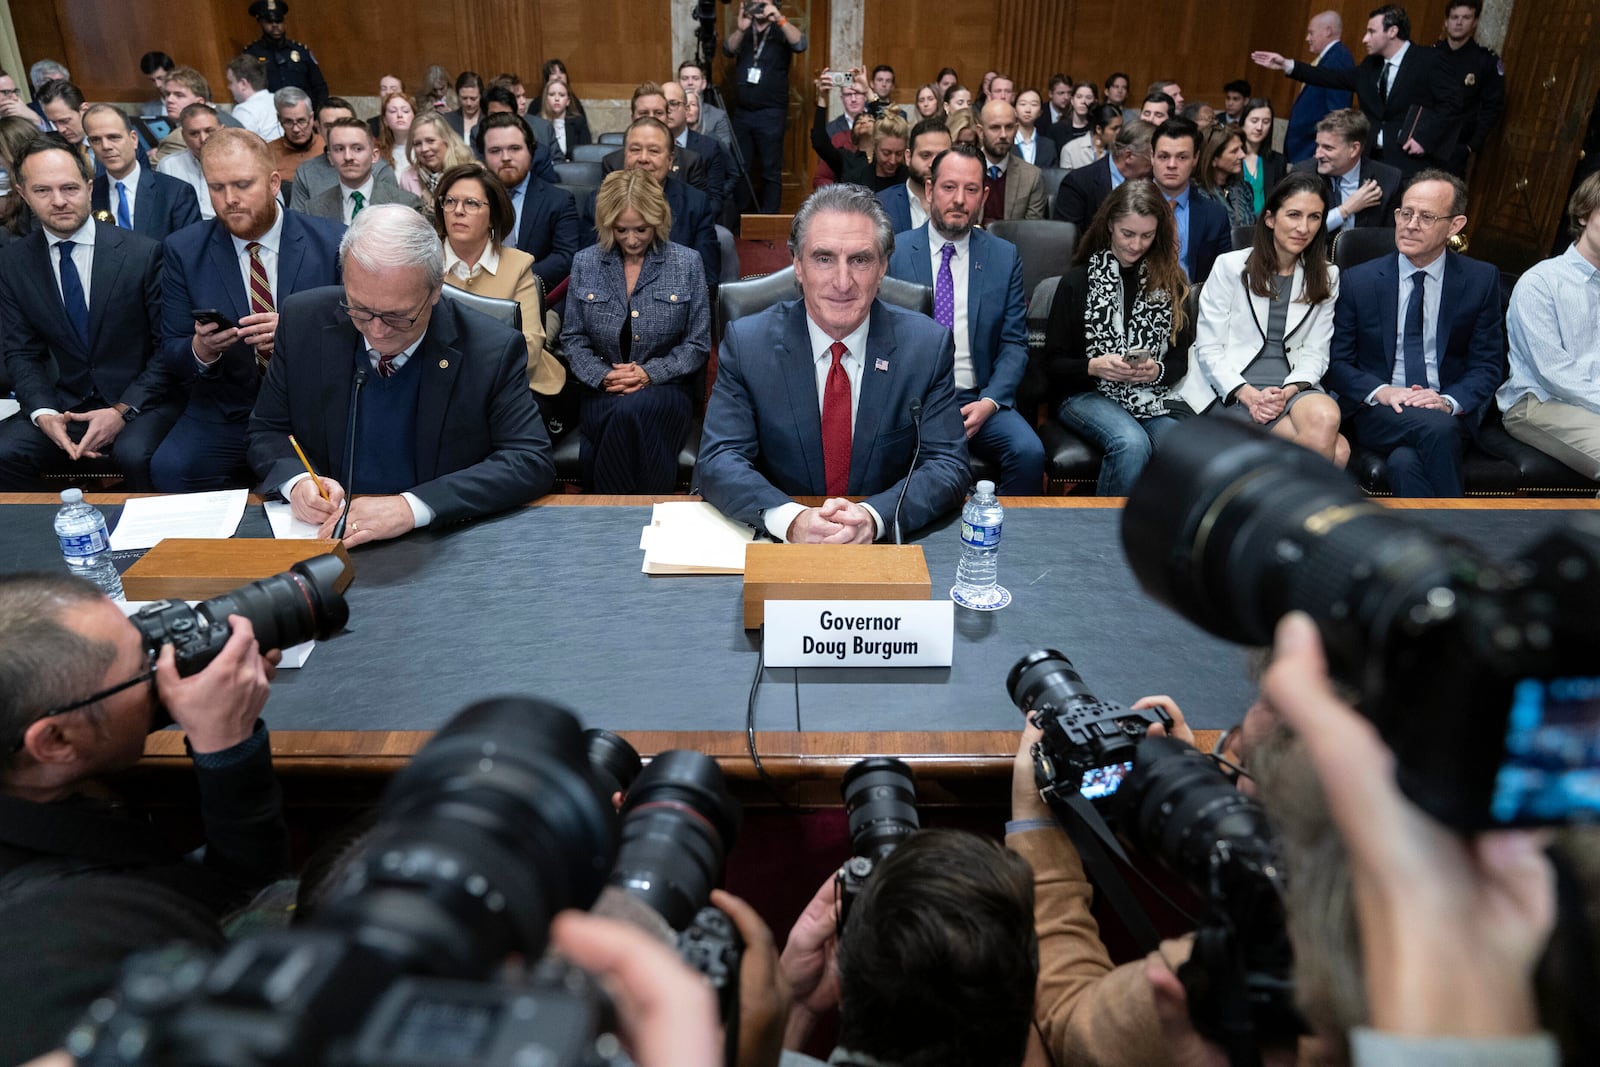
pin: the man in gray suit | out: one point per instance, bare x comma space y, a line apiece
352, 153
713, 120
318, 175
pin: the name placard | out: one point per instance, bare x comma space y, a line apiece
859, 633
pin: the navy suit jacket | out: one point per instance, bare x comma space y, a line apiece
49, 365
688, 166
549, 231
693, 224
481, 446
1388, 179
762, 444
1470, 339
162, 206
1082, 192
1210, 234
896, 201
1313, 104
997, 329
202, 271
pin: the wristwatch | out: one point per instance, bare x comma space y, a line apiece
130, 413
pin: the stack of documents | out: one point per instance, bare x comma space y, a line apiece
693, 538
146, 520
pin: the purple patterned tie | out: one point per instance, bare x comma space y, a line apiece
944, 290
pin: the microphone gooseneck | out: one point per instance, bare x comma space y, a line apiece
916, 421
356, 383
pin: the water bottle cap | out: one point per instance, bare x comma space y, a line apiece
72, 496
986, 488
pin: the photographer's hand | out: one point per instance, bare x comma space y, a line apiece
218, 707
666, 1012
763, 992
1180, 729
1026, 803
808, 964
1451, 928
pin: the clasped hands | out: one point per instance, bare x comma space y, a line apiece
372, 518
1396, 397
837, 522
1266, 404
624, 378
104, 425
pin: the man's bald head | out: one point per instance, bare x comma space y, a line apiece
997, 129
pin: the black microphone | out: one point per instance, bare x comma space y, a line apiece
916, 420
350, 451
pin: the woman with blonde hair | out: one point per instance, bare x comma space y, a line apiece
436, 92
472, 214
637, 330
433, 148
1117, 339
963, 126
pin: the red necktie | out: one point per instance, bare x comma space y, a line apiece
260, 293
836, 424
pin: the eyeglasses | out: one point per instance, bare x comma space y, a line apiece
10, 92
394, 321
146, 675
1406, 215
673, 105
295, 124
468, 204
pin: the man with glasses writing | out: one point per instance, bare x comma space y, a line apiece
1417, 343
445, 429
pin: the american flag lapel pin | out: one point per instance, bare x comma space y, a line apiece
880, 364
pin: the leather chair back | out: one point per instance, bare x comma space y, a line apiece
506, 311
1045, 246
580, 172
1362, 244
592, 153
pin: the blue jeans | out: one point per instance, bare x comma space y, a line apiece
1127, 442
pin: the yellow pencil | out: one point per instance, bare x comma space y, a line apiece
309, 470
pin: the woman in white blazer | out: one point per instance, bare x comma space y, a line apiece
1266, 322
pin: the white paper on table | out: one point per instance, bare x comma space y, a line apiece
292, 657
146, 520
285, 527
692, 537
9, 408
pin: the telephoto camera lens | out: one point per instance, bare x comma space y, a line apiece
491, 830
678, 823
880, 797
1046, 680
613, 762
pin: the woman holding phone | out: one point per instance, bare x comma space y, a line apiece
1117, 337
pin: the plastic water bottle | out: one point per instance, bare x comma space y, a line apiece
975, 584
84, 543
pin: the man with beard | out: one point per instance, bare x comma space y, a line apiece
240, 265
977, 295
1015, 186
547, 217
288, 63
906, 204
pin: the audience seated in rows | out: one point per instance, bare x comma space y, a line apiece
1014, 188
568, 129
1202, 223
546, 217
1105, 123
1362, 191
352, 152
906, 204
318, 174
432, 149
1032, 146
129, 191
877, 165
1264, 166
196, 124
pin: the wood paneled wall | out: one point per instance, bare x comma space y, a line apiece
602, 41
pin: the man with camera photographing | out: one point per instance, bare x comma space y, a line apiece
761, 92
80, 688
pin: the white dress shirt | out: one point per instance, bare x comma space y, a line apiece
421, 514
488, 263
259, 115
919, 214
347, 202
777, 519
184, 167
1551, 327
1344, 187
1392, 69
960, 265
1030, 148
130, 186
268, 255
83, 259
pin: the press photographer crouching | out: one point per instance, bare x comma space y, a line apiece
84, 879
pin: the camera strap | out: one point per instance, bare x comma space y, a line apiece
1096, 846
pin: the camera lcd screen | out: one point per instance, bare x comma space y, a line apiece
1100, 782
1551, 770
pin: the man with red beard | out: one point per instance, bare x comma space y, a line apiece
239, 266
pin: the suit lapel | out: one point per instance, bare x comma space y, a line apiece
876, 390
291, 252
441, 364
796, 362
108, 258
917, 245
976, 249
1448, 299
226, 267
340, 346
151, 207
1388, 308
43, 275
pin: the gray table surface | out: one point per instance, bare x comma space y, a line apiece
550, 601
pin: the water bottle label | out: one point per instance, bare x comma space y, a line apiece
84, 545
980, 536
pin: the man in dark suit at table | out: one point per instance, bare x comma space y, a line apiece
1406, 93
129, 191
240, 264
977, 286
1328, 51
1361, 191
1203, 231
547, 218
822, 396
79, 301
1417, 343
1085, 189
446, 429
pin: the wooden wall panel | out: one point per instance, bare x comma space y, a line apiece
917, 37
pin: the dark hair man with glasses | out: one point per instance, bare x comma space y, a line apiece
1417, 343
447, 429
78, 694
240, 266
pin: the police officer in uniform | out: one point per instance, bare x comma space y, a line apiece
762, 44
1479, 77
287, 62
